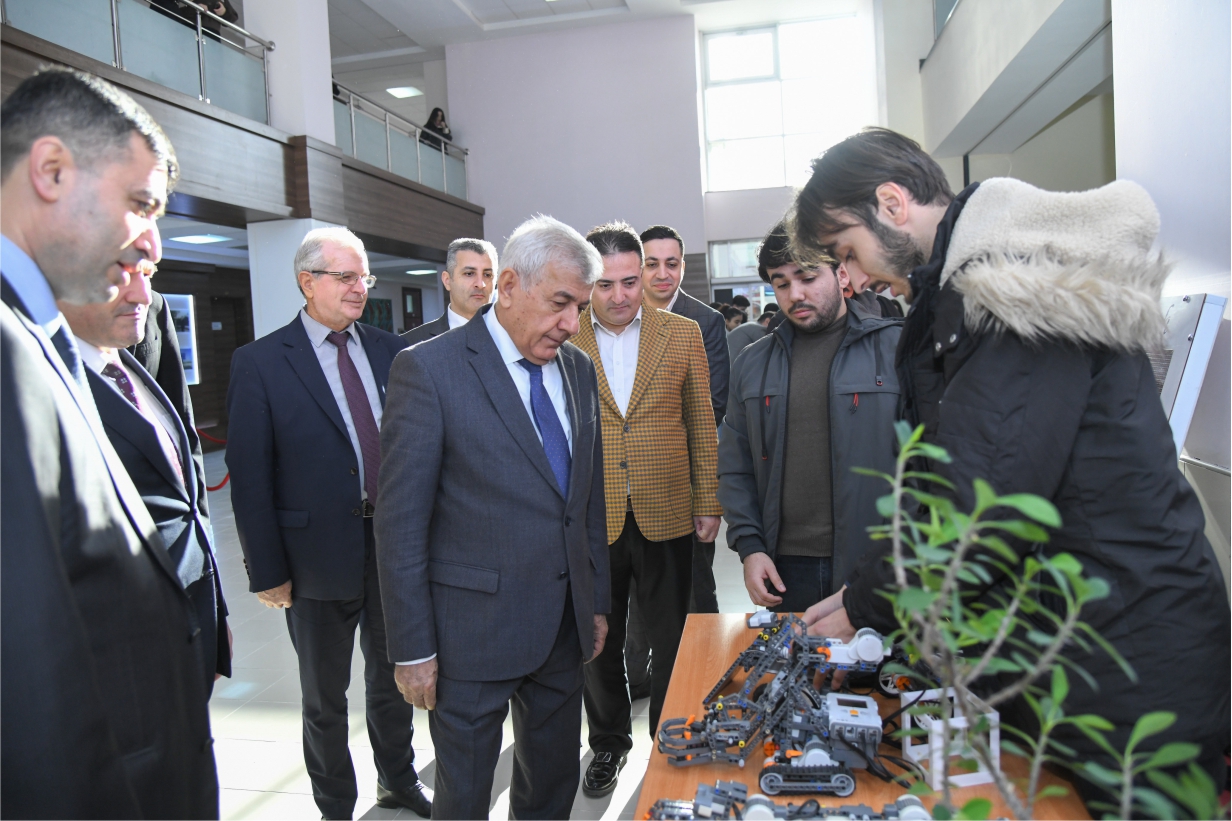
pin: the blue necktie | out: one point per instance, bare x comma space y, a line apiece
555, 445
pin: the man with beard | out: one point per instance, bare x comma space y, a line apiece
808, 402
469, 275
1024, 356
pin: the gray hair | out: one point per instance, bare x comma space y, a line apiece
311, 253
476, 246
541, 241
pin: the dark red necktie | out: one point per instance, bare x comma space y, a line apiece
122, 381
361, 414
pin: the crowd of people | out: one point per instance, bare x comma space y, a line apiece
516, 504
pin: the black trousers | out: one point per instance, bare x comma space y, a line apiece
664, 574
808, 580
705, 599
323, 633
547, 722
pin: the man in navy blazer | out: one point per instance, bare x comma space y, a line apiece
492, 530
157, 451
305, 407
102, 712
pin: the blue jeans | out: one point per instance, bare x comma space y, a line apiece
808, 580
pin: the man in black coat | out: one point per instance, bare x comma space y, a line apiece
470, 273
102, 706
1029, 366
305, 405
157, 451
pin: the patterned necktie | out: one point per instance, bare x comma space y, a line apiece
67, 348
555, 445
122, 381
361, 414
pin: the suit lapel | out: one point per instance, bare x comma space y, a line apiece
379, 359
120, 415
589, 342
184, 440
650, 349
304, 361
494, 375
568, 375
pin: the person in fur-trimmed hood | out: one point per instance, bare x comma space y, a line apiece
1024, 355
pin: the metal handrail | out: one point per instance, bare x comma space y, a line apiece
418, 128
1189, 460
269, 44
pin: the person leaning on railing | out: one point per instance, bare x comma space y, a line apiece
186, 14
436, 125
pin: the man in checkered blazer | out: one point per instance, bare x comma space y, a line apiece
660, 478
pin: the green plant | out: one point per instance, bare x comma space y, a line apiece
969, 604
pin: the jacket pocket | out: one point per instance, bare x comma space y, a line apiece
468, 577
292, 518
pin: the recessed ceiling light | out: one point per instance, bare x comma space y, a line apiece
199, 239
422, 271
402, 92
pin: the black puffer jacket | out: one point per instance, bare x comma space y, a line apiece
1023, 357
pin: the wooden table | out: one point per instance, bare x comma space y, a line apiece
709, 646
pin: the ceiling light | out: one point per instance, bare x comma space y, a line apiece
199, 239
402, 92
423, 271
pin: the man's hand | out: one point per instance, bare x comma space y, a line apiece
600, 635
757, 568
834, 626
707, 528
824, 607
417, 683
279, 596
230, 650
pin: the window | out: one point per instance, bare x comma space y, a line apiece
733, 267
777, 97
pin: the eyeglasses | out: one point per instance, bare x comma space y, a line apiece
349, 278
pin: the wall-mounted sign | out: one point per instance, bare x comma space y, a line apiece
184, 320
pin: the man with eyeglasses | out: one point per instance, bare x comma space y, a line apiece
305, 406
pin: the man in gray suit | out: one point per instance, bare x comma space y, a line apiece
492, 548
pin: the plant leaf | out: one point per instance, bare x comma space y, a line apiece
920, 788
1036, 507
1060, 684
1149, 725
915, 600
976, 809
1170, 755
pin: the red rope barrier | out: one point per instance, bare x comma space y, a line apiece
226, 478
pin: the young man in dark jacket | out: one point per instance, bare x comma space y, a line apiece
1024, 355
808, 402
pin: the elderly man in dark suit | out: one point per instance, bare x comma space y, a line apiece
493, 547
306, 405
102, 706
157, 451
469, 275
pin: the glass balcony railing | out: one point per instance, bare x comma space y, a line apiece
194, 52
374, 134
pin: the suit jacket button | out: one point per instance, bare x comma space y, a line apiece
624, 464
627, 428
354, 471
193, 635
563, 574
355, 512
568, 521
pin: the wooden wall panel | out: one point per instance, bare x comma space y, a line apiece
376, 205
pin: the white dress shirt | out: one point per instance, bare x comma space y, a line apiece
552, 381
672, 302
154, 411
618, 353
454, 318
327, 355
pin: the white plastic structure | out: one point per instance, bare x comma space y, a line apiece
932, 756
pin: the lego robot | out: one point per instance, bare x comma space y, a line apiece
811, 740
730, 799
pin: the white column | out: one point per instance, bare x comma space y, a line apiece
1172, 87
271, 269
300, 76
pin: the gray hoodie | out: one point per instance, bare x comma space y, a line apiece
863, 406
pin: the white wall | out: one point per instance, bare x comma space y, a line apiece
587, 125
301, 99
271, 270
748, 214
436, 91
904, 37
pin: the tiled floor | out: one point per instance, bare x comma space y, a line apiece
256, 713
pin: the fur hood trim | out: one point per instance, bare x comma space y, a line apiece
1070, 266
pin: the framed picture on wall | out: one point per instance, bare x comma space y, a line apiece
379, 313
184, 319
